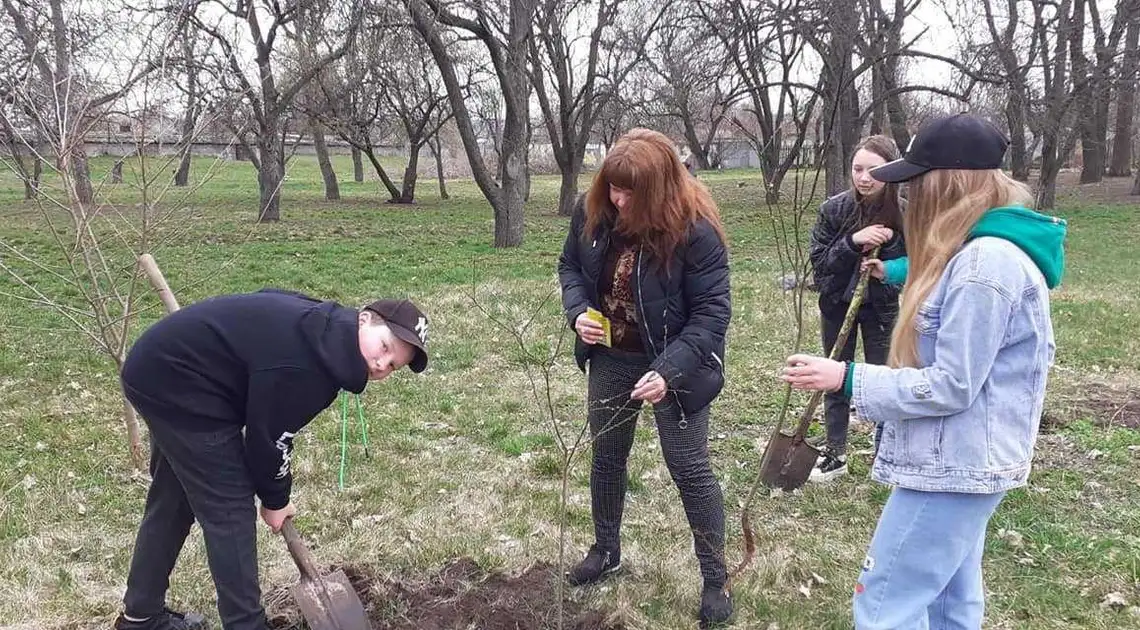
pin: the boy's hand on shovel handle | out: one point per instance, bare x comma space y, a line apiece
276, 518
813, 373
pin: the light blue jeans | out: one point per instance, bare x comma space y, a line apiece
924, 568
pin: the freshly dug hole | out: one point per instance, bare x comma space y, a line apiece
460, 596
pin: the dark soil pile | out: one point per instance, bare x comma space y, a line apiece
459, 597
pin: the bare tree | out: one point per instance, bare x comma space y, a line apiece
766, 47
1095, 80
353, 104
1126, 86
87, 275
570, 91
64, 101
190, 48
414, 95
1056, 34
506, 45
696, 83
269, 98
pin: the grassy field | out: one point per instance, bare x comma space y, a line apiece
462, 459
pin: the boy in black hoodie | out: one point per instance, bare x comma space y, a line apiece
223, 385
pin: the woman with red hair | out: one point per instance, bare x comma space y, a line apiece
647, 250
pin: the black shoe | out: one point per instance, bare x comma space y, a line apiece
716, 607
828, 467
167, 620
598, 564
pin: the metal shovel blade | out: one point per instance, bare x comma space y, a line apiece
788, 463
329, 602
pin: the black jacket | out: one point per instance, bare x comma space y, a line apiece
684, 314
835, 260
269, 361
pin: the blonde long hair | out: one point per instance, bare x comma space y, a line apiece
944, 205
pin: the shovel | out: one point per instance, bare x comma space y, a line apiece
788, 459
328, 603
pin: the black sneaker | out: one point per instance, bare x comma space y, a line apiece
716, 607
828, 467
598, 564
168, 620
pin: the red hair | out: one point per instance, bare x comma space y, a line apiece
666, 199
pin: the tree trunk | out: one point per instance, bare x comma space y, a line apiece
437, 153
568, 193
1050, 166
190, 119
270, 172
332, 189
411, 172
182, 175
82, 190
1019, 159
698, 150
134, 436
878, 89
393, 192
357, 166
1136, 184
896, 113
1126, 104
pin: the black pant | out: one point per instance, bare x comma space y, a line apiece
196, 476
684, 443
876, 331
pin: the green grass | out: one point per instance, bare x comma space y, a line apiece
464, 462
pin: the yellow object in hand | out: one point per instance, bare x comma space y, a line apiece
603, 321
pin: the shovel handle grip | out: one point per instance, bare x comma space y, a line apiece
301, 555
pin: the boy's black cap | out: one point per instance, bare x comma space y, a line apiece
961, 141
407, 322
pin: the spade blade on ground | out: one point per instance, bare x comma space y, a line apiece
329, 602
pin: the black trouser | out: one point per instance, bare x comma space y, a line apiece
684, 443
196, 475
876, 345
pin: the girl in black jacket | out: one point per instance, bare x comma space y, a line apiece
850, 226
646, 249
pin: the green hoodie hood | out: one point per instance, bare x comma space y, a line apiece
1040, 236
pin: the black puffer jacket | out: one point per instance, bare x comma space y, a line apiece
684, 314
835, 260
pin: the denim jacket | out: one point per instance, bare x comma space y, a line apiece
967, 420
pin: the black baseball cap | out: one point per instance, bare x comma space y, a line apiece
962, 141
407, 322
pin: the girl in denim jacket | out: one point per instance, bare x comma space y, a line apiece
960, 400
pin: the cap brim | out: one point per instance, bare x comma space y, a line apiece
420, 360
898, 171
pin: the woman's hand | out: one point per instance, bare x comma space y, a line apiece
589, 330
650, 388
872, 236
813, 373
878, 271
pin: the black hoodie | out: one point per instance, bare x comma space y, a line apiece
269, 361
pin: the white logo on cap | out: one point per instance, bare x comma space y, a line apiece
422, 329
909, 145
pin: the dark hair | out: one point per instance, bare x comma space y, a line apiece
666, 199
883, 207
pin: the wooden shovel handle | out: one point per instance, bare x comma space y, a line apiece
840, 341
299, 551
150, 268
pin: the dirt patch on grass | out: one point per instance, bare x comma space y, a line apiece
1104, 405
1110, 190
460, 596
